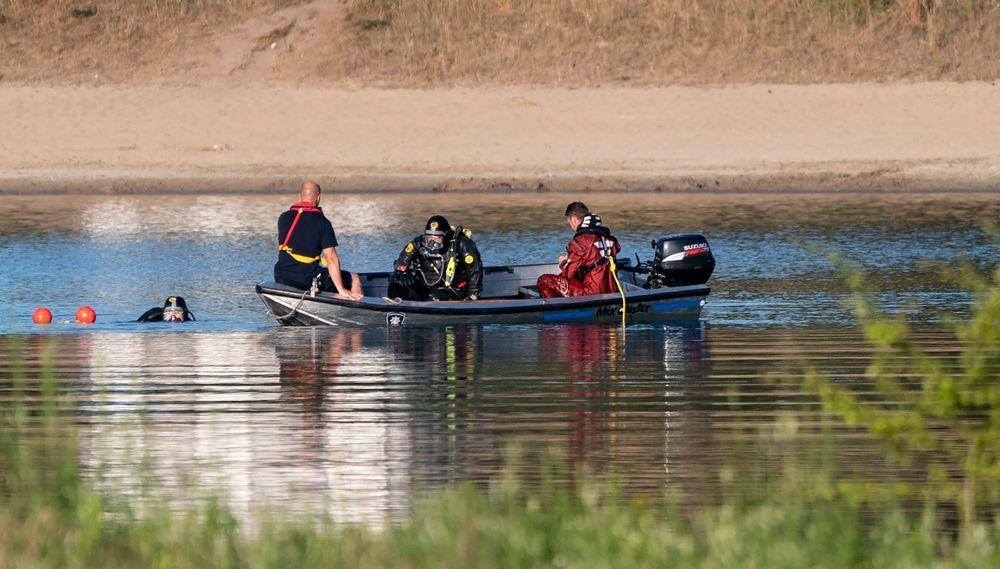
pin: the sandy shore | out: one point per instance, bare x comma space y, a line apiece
925, 136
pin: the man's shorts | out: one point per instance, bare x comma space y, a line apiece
326, 283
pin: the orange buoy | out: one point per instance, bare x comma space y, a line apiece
42, 315
85, 315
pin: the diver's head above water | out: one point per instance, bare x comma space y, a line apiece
174, 310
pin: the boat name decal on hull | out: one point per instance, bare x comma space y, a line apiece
606, 311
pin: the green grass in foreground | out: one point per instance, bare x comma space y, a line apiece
944, 416
50, 517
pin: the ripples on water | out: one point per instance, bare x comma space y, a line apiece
357, 421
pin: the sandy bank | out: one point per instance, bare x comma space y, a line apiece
943, 136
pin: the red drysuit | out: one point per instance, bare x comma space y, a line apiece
587, 270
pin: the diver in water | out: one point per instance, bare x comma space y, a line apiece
440, 264
174, 310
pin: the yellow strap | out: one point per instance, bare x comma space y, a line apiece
296, 256
621, 291
449, 272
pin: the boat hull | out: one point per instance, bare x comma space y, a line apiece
290, 307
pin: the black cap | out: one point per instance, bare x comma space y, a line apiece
175, 301
438, 225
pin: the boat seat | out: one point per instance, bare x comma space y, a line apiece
530, 292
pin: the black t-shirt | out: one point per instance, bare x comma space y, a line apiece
313, 233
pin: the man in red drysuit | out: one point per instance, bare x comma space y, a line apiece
585, 268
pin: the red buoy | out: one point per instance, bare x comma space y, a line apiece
42, 315
85, 315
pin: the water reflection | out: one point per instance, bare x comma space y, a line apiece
358, 422
353, 422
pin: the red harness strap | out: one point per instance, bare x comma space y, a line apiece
291, 229
300, 207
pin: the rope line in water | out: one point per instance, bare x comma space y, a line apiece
621, 291
313, 288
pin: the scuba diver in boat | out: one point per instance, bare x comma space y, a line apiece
174, 310
441, 264
587, 266
308, 250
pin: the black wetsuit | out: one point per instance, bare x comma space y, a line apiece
313, 233
428, 279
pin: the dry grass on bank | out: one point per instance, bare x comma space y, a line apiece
55, 39
672, 41
548, 42
123, 19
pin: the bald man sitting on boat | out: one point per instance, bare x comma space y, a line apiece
308, 249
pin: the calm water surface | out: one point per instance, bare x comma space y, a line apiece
358, 422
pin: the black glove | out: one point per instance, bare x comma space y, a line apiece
404, 278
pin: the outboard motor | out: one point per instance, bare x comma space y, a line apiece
680, 259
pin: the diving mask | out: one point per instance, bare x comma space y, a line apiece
433, 242
173, 314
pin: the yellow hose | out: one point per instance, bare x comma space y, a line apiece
621, 291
